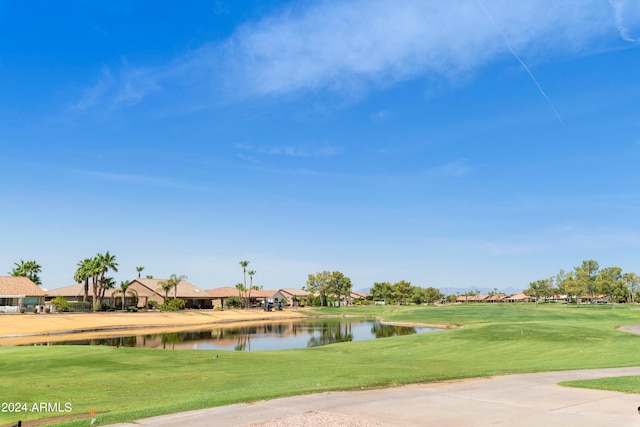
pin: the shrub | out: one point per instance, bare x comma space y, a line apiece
132, 309
35, 310
218, 307
314, 301
23, 310
152, 304
47, 310
61, 304
173, 305
79, 307
233, 302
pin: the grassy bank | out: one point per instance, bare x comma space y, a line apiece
130, 383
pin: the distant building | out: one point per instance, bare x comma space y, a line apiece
292, 297
17, 292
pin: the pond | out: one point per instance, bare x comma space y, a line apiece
267, 336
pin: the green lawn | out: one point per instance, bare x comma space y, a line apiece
629, 384
127, 383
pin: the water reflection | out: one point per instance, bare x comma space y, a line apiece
267, 336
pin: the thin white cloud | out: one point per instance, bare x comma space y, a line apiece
348, 47
627, 19
139, 180
457, 168
290, 151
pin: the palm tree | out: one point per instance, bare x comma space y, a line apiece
166, 287
28, 269
107, 283
172, 282
106, 262
241, 288
124, 288
139, 270
93, 267
82, 274
250, 273
244, 264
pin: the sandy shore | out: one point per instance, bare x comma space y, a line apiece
29, 328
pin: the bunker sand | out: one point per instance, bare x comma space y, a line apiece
16, 329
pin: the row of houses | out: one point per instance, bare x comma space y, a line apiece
494, 298
593, 299
20, 292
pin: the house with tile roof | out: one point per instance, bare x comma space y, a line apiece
75, 293
17, 292
140, 293
151, 290
257, 296
219, 295
292, 297
519, 298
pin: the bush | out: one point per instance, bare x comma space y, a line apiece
233, 302
218, 307
23, 310
35, 310
132, 309
79, 307
173, 305
47, 310
314, 301
61, 304
152, 304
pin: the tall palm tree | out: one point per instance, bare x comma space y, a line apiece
82, 274
250, 273
244, 265
106, 262
139, 270
93, 266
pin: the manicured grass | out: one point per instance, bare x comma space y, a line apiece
128, 383
629, 384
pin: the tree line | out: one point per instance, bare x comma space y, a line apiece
587, 281
403, 292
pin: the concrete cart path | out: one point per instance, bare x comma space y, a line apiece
510, 400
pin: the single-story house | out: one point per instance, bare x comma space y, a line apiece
358, 296
519, 298
559, 298
75, 293
151, 290
496, 298
18, 292
140, 293
292, 297
219, 295
257, 296
472, 298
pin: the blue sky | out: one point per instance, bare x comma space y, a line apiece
457, 144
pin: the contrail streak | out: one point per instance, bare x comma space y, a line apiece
515, 55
